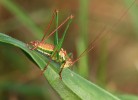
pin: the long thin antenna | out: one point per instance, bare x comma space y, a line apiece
45, 38
93, 43
48, 26
70, 17
46, 30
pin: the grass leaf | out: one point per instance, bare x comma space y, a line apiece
128, 97
22, 16
72, 86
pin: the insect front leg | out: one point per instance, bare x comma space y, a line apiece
47, 28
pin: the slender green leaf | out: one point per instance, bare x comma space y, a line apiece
82, 42
22, 16
128, 97
72, 86
102, 62
22, 88
133, 12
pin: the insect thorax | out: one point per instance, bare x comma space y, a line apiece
48, 49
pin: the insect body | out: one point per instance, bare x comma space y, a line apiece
56, 53
48, 49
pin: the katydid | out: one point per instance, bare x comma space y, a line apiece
56, 52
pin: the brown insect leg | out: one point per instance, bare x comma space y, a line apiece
45, 30
48, 63
60, 73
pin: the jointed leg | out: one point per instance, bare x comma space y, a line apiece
45, 38
60, 76
48, 63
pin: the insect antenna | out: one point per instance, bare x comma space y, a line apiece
53, 16
44, 37
91, 45
46, 30
102, 33
69, 17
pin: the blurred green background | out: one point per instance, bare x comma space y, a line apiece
113, 64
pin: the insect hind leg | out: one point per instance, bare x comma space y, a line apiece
48, 63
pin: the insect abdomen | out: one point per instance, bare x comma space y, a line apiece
47, 49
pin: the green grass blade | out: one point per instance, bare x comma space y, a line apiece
102, 64
128, 97
82, 41
51, 74
25, 89
133, 12
72, 86
21, 15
